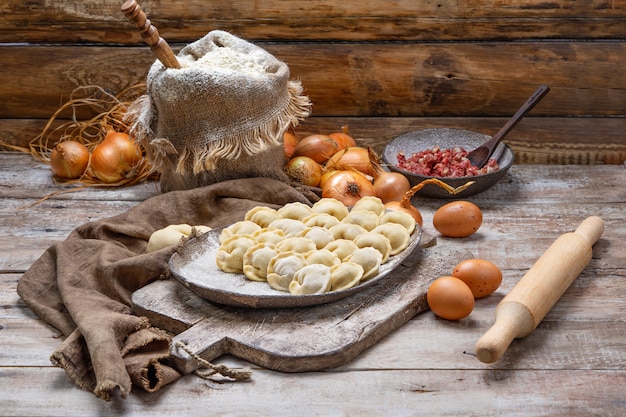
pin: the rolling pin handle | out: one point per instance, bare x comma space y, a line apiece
591, 229
513, 320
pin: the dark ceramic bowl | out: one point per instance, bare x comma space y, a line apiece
445, 138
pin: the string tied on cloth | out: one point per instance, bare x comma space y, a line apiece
212, 369
221, 116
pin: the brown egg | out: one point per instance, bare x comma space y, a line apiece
458, 219
481, 276
450, 298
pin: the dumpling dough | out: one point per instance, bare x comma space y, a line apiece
400, 217
369, 258
256, 259
172, 235
295, 210
320, 219
296, 244
370, 203
376, 241
290, 227
397, 234
262, 216
243, 227
342, 248
364, 218
321, 236
322, 256
229, 256
268, 235
346, 231
312, 279
282, 268
331, 206
345, 275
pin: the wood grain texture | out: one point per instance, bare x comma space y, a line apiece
348, 80
320, 20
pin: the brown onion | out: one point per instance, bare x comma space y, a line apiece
343, 138
317, 147
390, 186
69, 159
289, 143
115, 157
354, 157
304, 170
347, 186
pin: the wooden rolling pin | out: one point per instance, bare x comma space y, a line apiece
521, 311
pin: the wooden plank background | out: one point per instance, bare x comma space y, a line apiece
383, 68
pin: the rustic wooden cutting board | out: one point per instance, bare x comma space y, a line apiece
294, 339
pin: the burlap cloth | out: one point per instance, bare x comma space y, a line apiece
221, 116
82, 286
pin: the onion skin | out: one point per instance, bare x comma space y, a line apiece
289, 144
115, 157
343, 138
354, 157
348, 187
69, 159
390, 186
304, 170
317, 147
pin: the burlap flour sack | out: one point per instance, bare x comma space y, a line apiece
221, 116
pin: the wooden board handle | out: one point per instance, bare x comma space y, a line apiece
521, 311
150, 34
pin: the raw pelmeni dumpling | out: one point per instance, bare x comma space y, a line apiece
369, 258
376, 241
312, 279
320, 219
342, 248
322, 256
332, 206
256, 259
321, 236
172, 235
400, 217
364, 218
229, 256
282, 268
268, 235
262, 216
345, 275
296, 244
346, 231
370, 203
291, 227
295, 210
397, 234
243, 227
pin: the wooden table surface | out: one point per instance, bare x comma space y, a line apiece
573, 364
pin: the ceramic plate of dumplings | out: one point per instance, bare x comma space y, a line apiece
194, 265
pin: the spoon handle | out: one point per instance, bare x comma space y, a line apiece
150, 34
521, 112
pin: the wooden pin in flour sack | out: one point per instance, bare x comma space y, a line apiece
521, 311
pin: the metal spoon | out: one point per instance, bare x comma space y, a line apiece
479, 156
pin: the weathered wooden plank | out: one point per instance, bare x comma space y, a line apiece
567, 393
93, 21
536, 140
23, 177
373, 79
